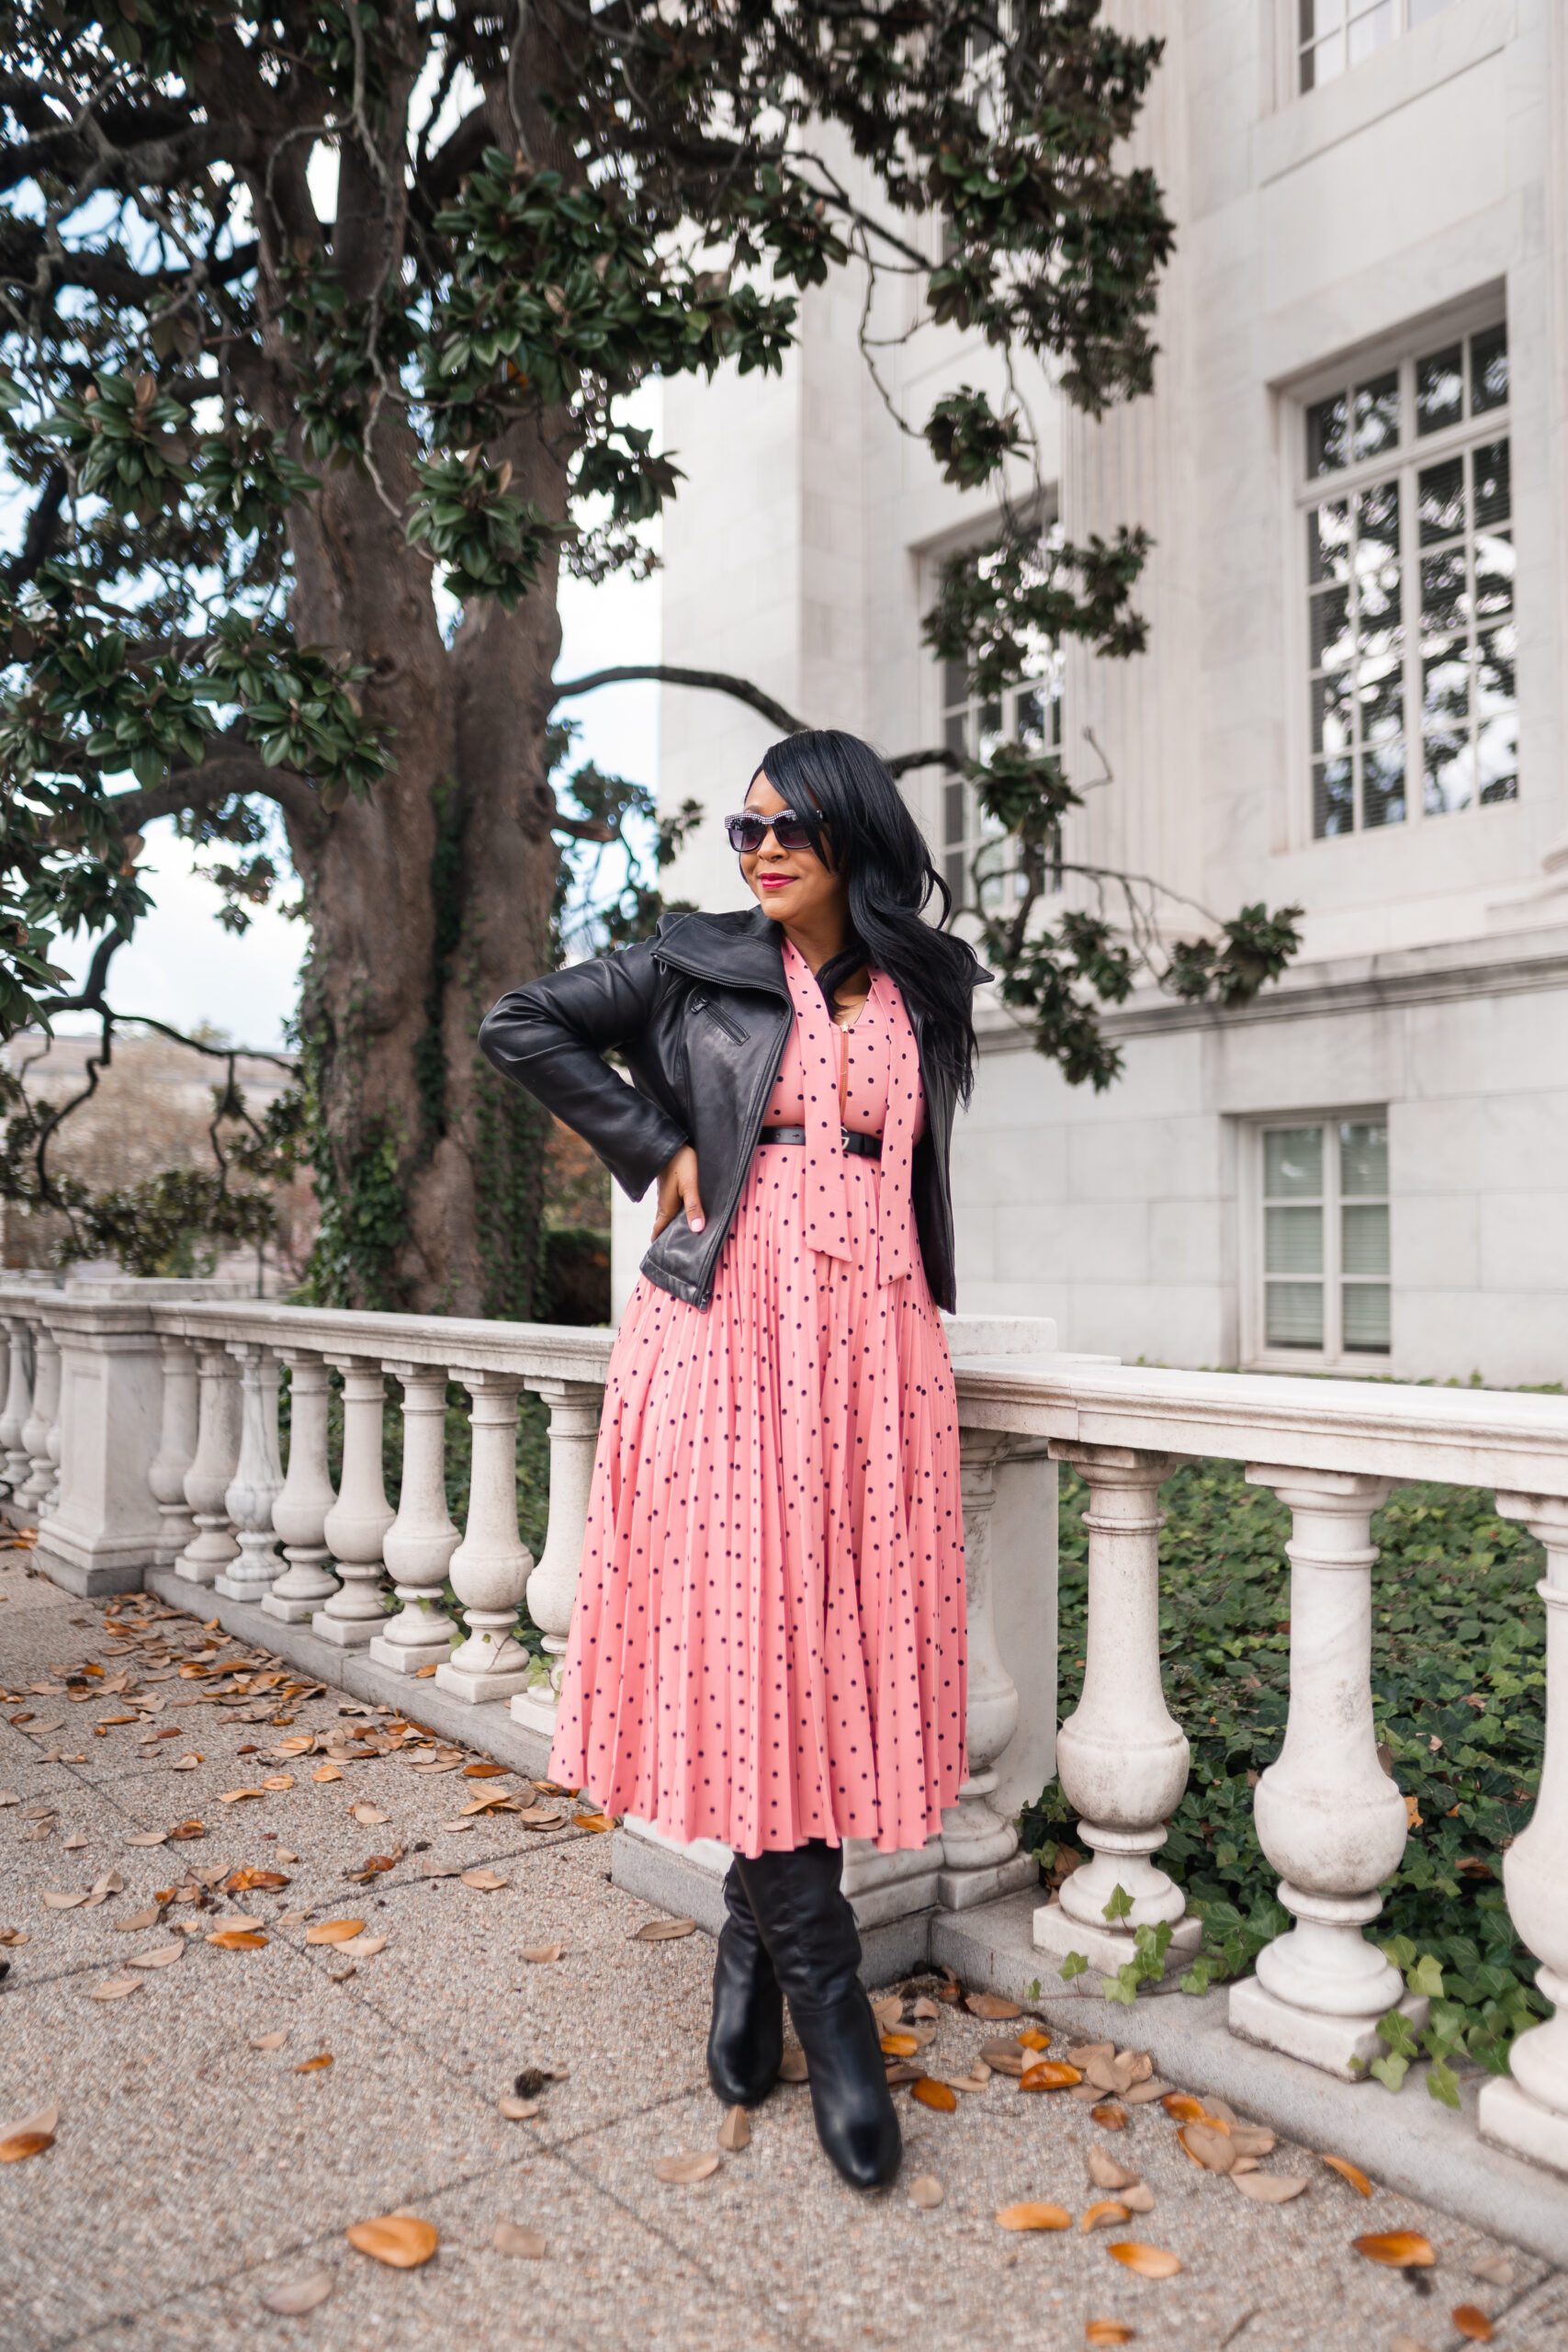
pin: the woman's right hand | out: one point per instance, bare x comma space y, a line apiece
677, 1190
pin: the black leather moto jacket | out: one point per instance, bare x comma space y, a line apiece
700, 1015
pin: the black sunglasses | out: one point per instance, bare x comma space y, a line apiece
749, 831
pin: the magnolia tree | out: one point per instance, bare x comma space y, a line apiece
254, 434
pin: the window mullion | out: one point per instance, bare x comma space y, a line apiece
1410, 568
1333, 1317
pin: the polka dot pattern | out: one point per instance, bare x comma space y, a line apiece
769, 1640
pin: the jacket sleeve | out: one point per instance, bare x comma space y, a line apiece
551, 1037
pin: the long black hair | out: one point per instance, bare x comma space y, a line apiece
842, 791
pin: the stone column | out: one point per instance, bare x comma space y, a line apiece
359, 1519
576, 1410
1527, 2109
491, 1565
177, 1450
217, 1453
258, 1477
980, 1843
1121, 1759
18, 1402
421, 1539
39, 1424
299, 1514
1330, 1818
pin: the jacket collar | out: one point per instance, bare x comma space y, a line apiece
742, 950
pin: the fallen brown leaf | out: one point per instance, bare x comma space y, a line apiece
237, 1940
735, 2132
235, 1796
1270, 2188
1108, 2208
925, 2191
1497, 2269
1473, 2323
300, 1745
164, 1957
278, 1781
1182, 2107
363, 1947
1147, 2261
539, 1953
327, 1772
1034, 2217
294, 2297
686, 2169
517, 2110
54, 1901
486, 1771
1106, 2173
662, 1931
187, 1763
791, 2066
252, 1881
991, 2005
888, 2012
1208, 2145
316, 2065
115, 1988
940, 2096
899, 2045
1138, 2198
137, 1921
147, 1838
514, 2237
1396, 2249
924, 2009
598, 1821
1348, 2171
1110, 2115
1107, 2331
1049, 2074
333, 1931
485, 1881
269, 2040
401, 2240
18, 2145
369, 1817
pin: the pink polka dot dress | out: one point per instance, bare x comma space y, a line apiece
769, 1643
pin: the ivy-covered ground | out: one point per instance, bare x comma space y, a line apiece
1459, 1689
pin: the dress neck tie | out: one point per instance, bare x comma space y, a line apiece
823, 1046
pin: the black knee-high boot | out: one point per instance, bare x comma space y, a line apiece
746, 2037
809, 1931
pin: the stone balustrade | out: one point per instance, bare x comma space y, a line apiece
157, 1411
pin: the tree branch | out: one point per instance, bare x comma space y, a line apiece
42, 523
717, 681
909, 761
224, 774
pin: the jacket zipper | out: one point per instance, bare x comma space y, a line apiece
731, 1029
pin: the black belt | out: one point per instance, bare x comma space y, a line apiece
859, 1147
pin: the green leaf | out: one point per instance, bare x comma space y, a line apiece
1074, 1965
1442, 2084
1391, 2071
1427, 1976
1119, 1905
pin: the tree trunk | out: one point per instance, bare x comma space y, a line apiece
434, 896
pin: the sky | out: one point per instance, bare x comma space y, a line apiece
180, 967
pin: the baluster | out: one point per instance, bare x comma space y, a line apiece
258, 1477
491, 1565
177, 1450
40, 1426
980, 1843
1527, 2109
576, 1410
361, 1515
18, 1403
421, 1539
55, 1443
299, 1514
1121, 1762
212, 1547
1330, 1818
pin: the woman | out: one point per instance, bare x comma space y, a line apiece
768, 1646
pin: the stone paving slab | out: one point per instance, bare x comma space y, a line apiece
191, 2172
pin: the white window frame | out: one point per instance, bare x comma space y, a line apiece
1404, 17
964, 728
1304, 492
1333, 1356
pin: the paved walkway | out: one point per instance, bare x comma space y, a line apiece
192, 2174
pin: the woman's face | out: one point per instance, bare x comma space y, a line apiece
793, 885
